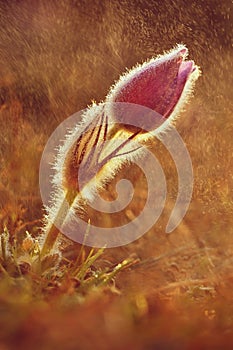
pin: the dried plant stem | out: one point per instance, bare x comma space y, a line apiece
53, 228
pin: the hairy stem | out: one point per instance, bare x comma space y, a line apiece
53, 231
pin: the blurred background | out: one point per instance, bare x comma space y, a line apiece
58, 56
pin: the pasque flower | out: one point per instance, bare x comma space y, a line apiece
161, 84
